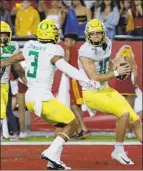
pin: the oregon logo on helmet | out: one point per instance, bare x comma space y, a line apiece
44, 26
47, 31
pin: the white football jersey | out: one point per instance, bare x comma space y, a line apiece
100, 57
6, 52
39, 70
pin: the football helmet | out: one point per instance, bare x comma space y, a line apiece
5, 28
93, 26
48, 31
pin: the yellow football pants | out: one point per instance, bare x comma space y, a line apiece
4, 88
108, 100
54, 112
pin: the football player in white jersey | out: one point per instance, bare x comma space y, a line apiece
42, 57
95, 63
7, 49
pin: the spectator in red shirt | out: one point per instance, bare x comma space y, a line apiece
135, 19
124, 6
71, 55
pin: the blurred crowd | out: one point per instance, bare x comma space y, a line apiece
121, 17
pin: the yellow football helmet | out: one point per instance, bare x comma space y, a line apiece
93, 26
5, 28
48, 31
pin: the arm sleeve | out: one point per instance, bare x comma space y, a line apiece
13, 47
72, 72
24, 50
17, 49
58, 51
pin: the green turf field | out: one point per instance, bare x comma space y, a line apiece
89, 139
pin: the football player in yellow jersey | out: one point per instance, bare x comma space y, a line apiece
42, 57
95, 62
7, 49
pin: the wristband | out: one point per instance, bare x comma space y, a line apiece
116, 74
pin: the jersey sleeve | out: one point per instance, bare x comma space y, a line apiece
86, 51
109, 46
24, 50
13, 47
58, 51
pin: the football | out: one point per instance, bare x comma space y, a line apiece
122, 77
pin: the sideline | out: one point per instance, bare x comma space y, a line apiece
68, 143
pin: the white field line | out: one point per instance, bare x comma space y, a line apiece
69, 143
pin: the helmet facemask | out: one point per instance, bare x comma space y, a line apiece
4, 40
5, 33
97, 43
95, 26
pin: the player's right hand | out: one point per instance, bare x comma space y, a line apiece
124, 69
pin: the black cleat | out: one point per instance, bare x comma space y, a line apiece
51, 168
81, 135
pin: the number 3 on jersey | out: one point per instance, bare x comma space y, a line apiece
32, 72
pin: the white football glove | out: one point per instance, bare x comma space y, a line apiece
94, 84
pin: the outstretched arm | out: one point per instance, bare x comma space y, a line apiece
71, 71
12, 60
